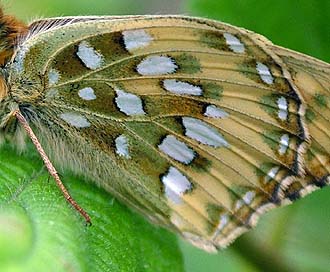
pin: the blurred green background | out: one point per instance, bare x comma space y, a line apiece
292, 238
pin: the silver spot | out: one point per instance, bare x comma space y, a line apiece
203, 133
180, 87
283, 108
176, 149
239, 204
265, 73
135, 39
234, 43
215, 112
121, 143
156, 65
176, 184
75, 119
284, 144
18, 64
128, 103
53, 77
89, 56
248, 197
224, 219
87, 93
272, 173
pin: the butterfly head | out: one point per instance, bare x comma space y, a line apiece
11, 30
8, 123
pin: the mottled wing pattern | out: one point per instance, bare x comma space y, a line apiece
193, 122
312, 77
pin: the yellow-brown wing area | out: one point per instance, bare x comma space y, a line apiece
312, 77
191, 121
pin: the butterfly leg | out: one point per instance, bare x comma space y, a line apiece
51, 169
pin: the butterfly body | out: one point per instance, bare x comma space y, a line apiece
199, 125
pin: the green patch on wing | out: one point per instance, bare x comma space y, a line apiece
214, 212
321, 100
214, 40
212, 90
310, 115
309, 155
201, 164
263, 169
188, 64
239, 190
173, 124
272, 138
269, 104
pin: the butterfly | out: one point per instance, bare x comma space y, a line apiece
199, 125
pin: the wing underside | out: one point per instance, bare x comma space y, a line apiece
198, 124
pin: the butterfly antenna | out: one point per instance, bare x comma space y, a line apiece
51, 169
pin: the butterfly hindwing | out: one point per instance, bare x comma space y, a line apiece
191, 121
312, 78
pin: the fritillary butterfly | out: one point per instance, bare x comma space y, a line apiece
199, 125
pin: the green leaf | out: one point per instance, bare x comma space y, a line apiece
40, 231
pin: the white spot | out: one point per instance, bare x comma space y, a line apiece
89, 56
284, 143
128, 103
202, 132
215, 112
176, 184
265, 73
234, 43
248, 197
75, 119
135, 39
156, 65
53, 77
121, 143
87, 93
283, 108
239, 204
224, 219
177, 149
180, 87
51, 94
18, 64
272, 173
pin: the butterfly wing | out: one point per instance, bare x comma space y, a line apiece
195, 123
312, 77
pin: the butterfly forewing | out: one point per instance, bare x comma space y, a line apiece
197, 124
